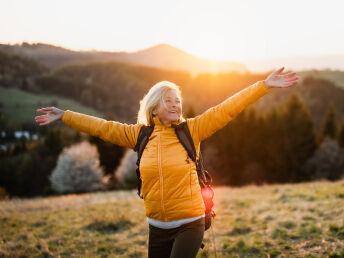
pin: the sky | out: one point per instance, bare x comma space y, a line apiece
229, 30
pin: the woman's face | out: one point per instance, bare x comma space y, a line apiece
169, 108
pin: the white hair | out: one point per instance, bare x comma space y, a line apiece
151, 100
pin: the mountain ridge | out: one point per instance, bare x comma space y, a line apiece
163, 56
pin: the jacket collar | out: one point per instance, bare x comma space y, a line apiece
159, 124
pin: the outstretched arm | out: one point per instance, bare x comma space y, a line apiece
110, 131
217, 117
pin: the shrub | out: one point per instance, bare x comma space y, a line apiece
327, 162
78, 170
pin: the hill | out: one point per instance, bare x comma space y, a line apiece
162, 56
290, 220
18, 71
115, 88
336, 77
20, 106
318, 93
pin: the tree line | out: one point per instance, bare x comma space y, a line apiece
280, 145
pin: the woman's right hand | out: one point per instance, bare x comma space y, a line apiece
52, 114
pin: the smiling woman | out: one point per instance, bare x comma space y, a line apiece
172, 195
169, 108
163, 101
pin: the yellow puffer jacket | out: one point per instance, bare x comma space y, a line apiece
170, 185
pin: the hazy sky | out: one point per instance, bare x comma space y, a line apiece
235, 30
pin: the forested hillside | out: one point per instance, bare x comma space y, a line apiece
290, 135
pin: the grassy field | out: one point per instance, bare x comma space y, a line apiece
290, 220
20, 106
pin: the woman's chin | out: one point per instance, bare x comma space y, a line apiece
174, 118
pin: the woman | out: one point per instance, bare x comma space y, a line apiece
170, 188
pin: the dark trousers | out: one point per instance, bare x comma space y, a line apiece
180, 242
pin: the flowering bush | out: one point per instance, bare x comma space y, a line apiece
78, 170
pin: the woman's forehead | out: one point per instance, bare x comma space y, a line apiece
170, 93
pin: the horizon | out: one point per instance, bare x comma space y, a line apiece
219, 31
330, 62
152, 46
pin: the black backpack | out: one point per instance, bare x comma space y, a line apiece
184, 136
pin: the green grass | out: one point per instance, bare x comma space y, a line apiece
300, 220
20, 106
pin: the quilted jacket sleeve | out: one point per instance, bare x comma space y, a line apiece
217, 117
110, 131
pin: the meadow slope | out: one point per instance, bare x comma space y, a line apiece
289, 220
20, 106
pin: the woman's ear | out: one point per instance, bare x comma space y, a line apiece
154, 111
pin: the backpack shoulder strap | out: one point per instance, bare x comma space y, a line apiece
185, 138
142, 140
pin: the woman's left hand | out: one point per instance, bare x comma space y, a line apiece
275, 80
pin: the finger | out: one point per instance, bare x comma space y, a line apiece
42, 121
288, 75
45, 123
44, 109
42, 116
293, 79
275, 73
279, 70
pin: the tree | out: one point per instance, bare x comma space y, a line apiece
329, 126
238, 147
53, 140
78, 170
109, 154
26, 173
340, 137
299, 135
273, 147
289, 140
126, 171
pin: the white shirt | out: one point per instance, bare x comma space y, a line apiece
173, 223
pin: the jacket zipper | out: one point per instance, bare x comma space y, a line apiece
190, 169
161, 178
190, 173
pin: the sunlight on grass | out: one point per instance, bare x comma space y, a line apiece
301, 220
